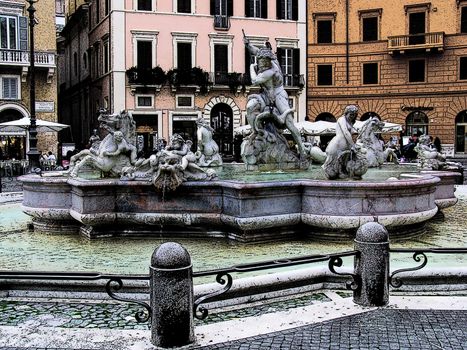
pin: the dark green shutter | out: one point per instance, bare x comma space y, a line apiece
296, 66
264, 8
23, 33
230, 8
213, 7
295, 10
280, 9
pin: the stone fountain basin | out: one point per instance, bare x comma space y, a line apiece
242, 211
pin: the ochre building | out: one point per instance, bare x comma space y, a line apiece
402, 60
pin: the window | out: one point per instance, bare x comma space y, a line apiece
10, 88
75, 63
221, 10
144, 54
221, 57
416, 71
369, 24
144, 5
287, 9
416, 123
8, 32
370, 28
370, 73
85, 61
325, 25
256, 8
324, 31
184, 60
289, 59
184, 101
463, 68
106, 58
144, 101
144, 48
464, 19
184, 6
324, 74
184, 48
98, 10
221, 64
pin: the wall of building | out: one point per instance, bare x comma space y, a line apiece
441, 96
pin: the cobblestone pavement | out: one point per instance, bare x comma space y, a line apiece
121, 316
380, 329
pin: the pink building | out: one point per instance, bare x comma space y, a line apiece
129, 38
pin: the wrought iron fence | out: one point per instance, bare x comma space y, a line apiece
419, 256
224, 277
114, 284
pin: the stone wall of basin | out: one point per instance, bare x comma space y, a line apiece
242, 211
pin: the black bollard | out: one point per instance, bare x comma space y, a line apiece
372, 265
171, 296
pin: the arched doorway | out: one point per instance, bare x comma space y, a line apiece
222, 123
324, 139
368, 115
416, 123
12, 143
461, 134
325, 116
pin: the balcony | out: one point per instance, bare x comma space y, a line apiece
17, 58
221, 22
425, 42
144, 78
21, 58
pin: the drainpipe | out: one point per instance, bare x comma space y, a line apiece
111, 70
347, 40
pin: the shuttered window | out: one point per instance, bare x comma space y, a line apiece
256, 8
184, 6
287, 9
10, 88
9, 32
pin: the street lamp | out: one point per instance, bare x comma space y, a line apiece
33, 153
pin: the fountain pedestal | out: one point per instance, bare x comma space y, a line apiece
241, 211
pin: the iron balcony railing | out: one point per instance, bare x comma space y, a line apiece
221, 22
21, 58
416, 41
289, 80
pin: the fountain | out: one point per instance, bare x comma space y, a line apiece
108, 192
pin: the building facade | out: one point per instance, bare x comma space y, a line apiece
14, 77
171, 62
402, 60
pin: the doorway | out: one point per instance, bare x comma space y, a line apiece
461, 132
417, 28
222, 123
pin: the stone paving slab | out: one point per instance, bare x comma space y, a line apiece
379, 329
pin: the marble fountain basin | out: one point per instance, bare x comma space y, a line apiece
273, 207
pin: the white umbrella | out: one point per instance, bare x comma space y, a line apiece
387, 128
320, 127
24, 123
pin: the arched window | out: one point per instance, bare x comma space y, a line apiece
416, 123
461, 135
368, 115
222, 123
325, 116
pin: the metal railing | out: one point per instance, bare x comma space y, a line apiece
21, 58
224, 277
113, 285
416, 41
221, 22
419, 255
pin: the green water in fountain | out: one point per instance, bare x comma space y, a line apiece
21, 249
